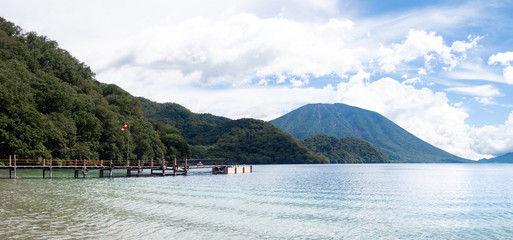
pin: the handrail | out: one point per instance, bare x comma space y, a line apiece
81, 163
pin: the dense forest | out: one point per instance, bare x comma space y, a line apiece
345, 150
243, 140
51, 106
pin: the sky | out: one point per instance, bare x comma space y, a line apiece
442, 70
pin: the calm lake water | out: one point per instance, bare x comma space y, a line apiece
384, 201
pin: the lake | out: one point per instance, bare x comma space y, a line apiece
381, 201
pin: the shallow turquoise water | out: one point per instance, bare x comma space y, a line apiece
385, 201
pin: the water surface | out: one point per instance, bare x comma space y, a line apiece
382, 201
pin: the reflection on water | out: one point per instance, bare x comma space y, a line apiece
408, 201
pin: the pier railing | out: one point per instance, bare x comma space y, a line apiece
157, 166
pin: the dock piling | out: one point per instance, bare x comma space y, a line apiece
51, 160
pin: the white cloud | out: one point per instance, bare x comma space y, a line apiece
429, 46
461, 46
494, 139
424, 113
505, 59
473, 72
508, 75
412, 81
243, 48
502, 58
481, 91
485, 100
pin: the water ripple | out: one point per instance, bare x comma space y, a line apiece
392, 201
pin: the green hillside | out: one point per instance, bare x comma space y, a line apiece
506, 158
52, 107
340, 120
189, 123
345, 150
254, 141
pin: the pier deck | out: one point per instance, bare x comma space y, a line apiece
133, 167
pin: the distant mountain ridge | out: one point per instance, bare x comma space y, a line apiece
341, 120
506, 158
256, 141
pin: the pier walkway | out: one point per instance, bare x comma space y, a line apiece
133, 167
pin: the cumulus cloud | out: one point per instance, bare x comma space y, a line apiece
425, 113
245, 49
494, 139
430, 46
504, 58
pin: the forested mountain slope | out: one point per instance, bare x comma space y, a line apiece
340, 120
52, 107
345, 150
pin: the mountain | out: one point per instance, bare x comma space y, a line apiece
506, 158
52, 107
345, 150
340, 120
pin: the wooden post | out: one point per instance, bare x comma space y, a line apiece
84, 169
44, 165
14, 166
10, 161
185, 166
110, 169
174, 166
139, 170
127, 163
152, 162
51, 168
101, 163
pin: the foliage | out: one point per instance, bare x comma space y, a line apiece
345, 150
190, 124
244, 141
52, 107
256, 141
340, 120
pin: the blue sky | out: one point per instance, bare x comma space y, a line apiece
440, 69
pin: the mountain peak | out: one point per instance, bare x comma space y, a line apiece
342, 120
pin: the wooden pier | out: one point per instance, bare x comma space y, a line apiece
160, 167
